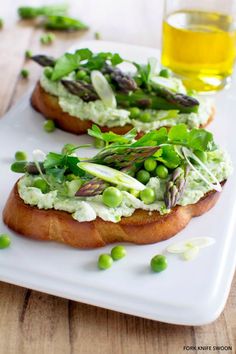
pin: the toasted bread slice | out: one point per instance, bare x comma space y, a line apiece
48, 105
142, 227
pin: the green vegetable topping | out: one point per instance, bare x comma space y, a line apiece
150, 164
47, 38
98, 143
145, 117
162, 171
49, 126
40, 184
28, 12
68, 148
5, 241
134, 112
28, 54
148, 196
105, 261
81, 74
20, 156
165, 73
118, 252
24, 73
202, 155
64, 23
19, 167
112, 197
143, 176
158, 263
1, 23
48, 72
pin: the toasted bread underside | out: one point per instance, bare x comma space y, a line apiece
48, 105
142, 227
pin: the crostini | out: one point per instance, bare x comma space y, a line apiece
140, 191
83, 88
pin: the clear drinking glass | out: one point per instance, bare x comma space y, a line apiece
199, 41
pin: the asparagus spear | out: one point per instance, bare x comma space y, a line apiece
123, 156
162, 99
176, 186
44, 60
81, 89
29, 12
91, 188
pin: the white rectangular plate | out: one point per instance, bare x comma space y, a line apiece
192, 293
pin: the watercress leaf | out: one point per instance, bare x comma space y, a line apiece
84, 53
168, 156
95, 132
179, 134
116, 59
53, 159
65, 65
71, 164
111, 137
57, 174
200, 139
153, 138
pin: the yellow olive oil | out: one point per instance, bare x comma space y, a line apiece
200, 47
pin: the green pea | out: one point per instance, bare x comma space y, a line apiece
134, 112
150, 164
24, 73
112, 197
202, 155
162, 171
5, 241
105, 261
47, 38
48, 72
87, 79
158, 263
99, 143
40, 184
28, 54
19, 166
71, 177
68, 148
148, 196
49, 126
165, 73
81, 74
97, 35
143, 176
20, 156
145, 117
118, 252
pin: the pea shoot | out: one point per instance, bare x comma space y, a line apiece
20, 156
5, 241
49, 126
24, 73
105, 261
68, 148
118, 252
112, 197
148, 196
158, 263
202, 155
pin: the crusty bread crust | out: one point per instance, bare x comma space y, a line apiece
142, 227
48, 105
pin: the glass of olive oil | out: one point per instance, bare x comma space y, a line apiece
199, 42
